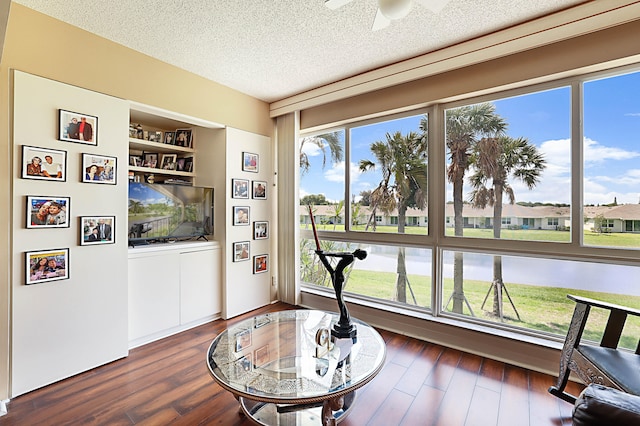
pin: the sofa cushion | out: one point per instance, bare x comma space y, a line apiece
599, 405
621, 366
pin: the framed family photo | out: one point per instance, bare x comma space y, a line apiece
260, 263
99, 169
240, 216
241, 251
44, 164
259, 190
250, 162
150, 159
96, 230
46, 265
184, 138
47, 212
260, 230
240, 188
77, 127
170, 138
168, 161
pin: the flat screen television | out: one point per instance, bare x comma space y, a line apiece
167, 213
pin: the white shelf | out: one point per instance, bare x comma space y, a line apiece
147, 146
157, 171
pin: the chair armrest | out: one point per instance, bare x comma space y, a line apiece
604, 305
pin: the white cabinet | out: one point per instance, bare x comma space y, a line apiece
172, 287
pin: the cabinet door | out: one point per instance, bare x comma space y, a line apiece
200, 287
154, 294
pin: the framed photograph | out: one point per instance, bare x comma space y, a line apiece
77, 127
97, 230
250, 162
170, 138
188, 164
183, 137
259, 190
48, 212
155, 137
261, 356
44, 163
260, 230
260, 263
169, 161
99, 169
180, 163
150, 159
46, 265
243, 340
135, 160
241, 216
240, 188
241, 251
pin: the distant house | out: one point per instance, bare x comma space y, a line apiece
622, 218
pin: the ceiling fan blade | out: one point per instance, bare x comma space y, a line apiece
433, 5
334, 4
380, 21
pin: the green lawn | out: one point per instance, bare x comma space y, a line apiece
590, 238
545, 309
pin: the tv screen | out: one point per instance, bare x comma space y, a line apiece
169, 212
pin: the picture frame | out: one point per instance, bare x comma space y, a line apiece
44, 164
260, 263
169, 138
241, 216
188, 164
155, 136
240, 188
259, 190
184, 138
241, 251
77, 127
47, 211
150, 160
100, 169
135, 160
46, 265
250, 162
95, 230
243, 340
168, 161
260, 230
261, 356
180, 164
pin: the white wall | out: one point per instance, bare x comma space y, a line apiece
61, 328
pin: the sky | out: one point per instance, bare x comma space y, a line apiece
611, 145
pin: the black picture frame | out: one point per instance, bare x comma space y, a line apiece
96, 230
260, 230
56, 170
259, 190
55, 266
41, 211
241, 215
260, 263
70, 123
241, 251
184, 138
100, 169
240, 188
169, 138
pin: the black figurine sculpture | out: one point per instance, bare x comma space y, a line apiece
344, 328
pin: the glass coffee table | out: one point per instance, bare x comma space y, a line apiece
285, 369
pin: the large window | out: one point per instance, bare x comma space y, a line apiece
509, 243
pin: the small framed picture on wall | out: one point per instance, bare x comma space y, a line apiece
260, 263
240, 216
99, 169
97, 230
44, 164
77, 127
240, 188
250, 162
260, 230
259, 190
241, 251
46, 265
48, 211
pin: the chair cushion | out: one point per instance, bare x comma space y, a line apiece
599, 405
621, 367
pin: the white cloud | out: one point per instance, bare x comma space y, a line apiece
597, 153
632, 114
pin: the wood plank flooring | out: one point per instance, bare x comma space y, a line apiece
167, 383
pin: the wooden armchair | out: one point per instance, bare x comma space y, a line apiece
604, 364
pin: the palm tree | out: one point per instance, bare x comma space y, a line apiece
464, 126
330, 140
495, 160
402, 160
337, 212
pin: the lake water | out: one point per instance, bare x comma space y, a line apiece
522, 270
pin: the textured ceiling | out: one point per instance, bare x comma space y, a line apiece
272, 49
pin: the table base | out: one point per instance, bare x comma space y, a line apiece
327, 413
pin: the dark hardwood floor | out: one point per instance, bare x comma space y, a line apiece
167, 383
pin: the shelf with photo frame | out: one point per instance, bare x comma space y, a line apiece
165, 161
